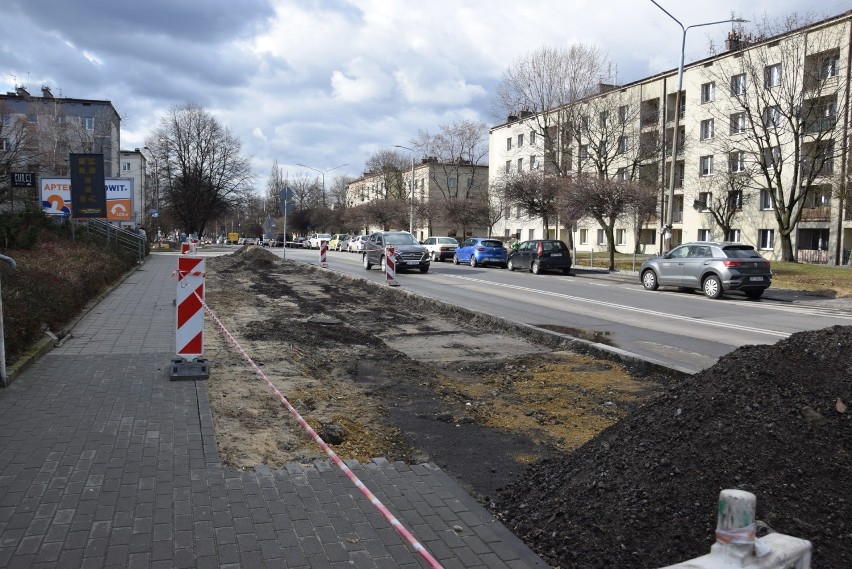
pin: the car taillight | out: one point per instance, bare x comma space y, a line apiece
480, 249
730, 264
540, 250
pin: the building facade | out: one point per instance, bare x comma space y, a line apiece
761, 150
449, 198
37, 133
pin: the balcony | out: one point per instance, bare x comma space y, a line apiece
650, 118
819, 213
821, 124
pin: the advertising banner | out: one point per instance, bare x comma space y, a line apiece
56, 197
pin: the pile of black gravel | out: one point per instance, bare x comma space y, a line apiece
771, 420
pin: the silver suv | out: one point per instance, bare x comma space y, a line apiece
713, 267
409, 254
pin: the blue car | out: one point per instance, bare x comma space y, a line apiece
481, 251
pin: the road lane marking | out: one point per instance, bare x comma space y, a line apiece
629, 308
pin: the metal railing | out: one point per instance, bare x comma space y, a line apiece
112, 234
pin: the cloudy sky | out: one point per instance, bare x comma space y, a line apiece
329, 82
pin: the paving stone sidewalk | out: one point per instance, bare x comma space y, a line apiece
105, 462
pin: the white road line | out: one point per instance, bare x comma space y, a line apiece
629, 308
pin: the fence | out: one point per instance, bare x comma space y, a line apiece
123, 238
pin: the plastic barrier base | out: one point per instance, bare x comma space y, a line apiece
197, 369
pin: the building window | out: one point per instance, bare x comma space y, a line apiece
738, 84
603, 119
772, 157
4, 144
738, 123
736, 162
772, 75
533, 164
705, 235
708, 92
703, 202
765, 199
772, 117
88, 123
508, 166
451, 182
621, 237
621, 175
509, 143
532, 137
520, 140
125, 166
706, 129
767, 238
830, 66
735, 199
705, 166
520, 164
623, 112
622, 144
584, 236
584, 152
733, 235
601, 237
531, 234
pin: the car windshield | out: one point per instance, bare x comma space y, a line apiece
741, 252
400, 239
448, 240
491, 243
323, 235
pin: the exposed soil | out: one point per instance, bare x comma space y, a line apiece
592, 461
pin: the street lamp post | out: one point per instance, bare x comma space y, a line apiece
411, 209
322, 173
668, 230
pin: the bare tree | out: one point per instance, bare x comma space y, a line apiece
532, 191
606, 200
783, 99
17, 152
202, 171
542, 84
389, 165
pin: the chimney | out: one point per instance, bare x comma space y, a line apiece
45, 92
21, 92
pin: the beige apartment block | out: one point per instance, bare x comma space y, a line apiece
443, 191
765, 121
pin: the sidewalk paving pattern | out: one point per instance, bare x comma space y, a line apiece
105, 462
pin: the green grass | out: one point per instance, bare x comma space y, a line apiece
828, 281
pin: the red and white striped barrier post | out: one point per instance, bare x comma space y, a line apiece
189, 247
189, 320
390, 265
323, 253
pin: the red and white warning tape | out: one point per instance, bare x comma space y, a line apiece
397, 525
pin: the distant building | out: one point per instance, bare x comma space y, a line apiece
450, 198
762, 135
37, 133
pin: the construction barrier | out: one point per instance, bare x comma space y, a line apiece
737, 546
323, 253
390, 265
189, 320
189, 247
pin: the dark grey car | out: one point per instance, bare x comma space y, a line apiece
409, 254
713, 267
539, 255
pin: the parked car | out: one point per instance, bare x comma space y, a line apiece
297, 242
313, 242
481, 251
356, 244
280, 240
334, 242
441, 248
409, 253
538, 255
713, 267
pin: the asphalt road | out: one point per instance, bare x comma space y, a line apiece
683, 331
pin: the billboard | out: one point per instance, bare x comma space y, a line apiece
56, 197
87, 179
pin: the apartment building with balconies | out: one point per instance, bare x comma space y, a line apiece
762, 130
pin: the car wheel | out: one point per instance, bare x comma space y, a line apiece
472, 261
510, 265
712, 287
435, 256
535, 268
367, 264
649, 280
455, 259
424, 269
566, 271
755, 293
